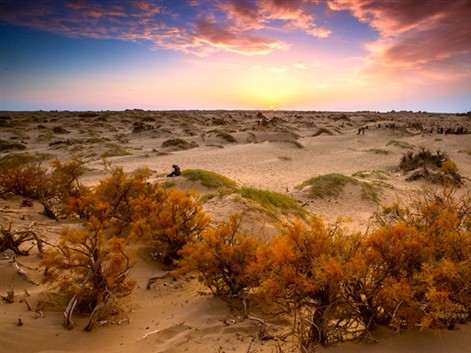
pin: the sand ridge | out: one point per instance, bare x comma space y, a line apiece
271, 150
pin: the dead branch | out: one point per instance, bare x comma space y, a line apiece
97, 308
13, 239
22, 273
152, 280
68, 323
10, 298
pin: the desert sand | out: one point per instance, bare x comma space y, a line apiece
271, 150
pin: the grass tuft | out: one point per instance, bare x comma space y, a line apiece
211, 180
272, 201
323, 130
327, 185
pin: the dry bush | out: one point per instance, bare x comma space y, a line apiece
51, 188
422, 159
31, 180
304, 271
113, 198
13, 239
437, 168
169, 220
222, 258
91, 266
422, 271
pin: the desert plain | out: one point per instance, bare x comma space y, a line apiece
269, 150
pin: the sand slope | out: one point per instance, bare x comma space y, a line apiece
275, 152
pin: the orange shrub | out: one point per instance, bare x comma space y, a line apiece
222, 257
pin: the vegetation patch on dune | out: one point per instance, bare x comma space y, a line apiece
377, 174
331, 185
323, 130
226, 136
400, 144
6, 146
436, 168
327, 185
378, 151
15, 159
211, 180
178, 144
272, 201
114, 150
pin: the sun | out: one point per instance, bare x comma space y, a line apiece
271, 107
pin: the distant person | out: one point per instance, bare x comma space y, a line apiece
176, 171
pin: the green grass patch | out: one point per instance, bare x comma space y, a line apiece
211, 180
327, 185
272, 201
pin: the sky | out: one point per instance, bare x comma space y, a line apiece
336, 55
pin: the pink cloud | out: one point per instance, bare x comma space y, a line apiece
294, 15
416, 37
242, 43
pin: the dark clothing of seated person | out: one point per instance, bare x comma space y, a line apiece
176, 171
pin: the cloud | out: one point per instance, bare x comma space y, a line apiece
198, 27
416, 37
223, 38
294, 15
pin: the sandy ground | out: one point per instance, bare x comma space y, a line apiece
277, 152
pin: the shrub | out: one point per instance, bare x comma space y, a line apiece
422, 271
92, 267
222, 258
32, 181
304, 271
435, 168
169, 219
422, 159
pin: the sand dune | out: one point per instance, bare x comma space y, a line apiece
275, 151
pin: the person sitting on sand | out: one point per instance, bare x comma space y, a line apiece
176, 171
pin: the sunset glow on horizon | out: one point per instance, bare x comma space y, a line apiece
342, 55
